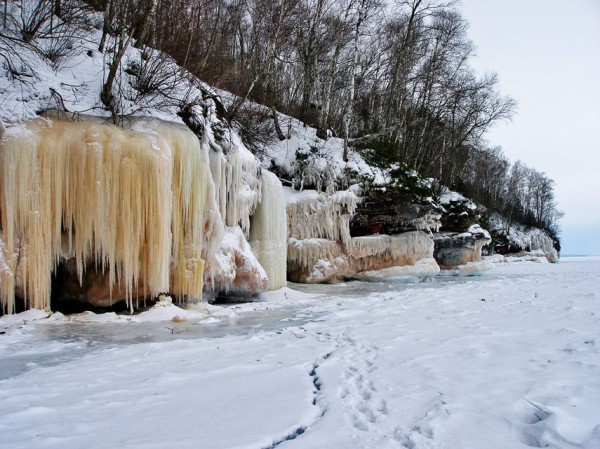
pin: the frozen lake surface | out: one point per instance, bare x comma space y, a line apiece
508, 359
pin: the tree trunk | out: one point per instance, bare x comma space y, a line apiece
310, 60
278, 130
351, 90
265, 69
108, 17
328, 91
106, 96
148, 20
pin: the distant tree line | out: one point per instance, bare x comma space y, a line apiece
390, 75
520, 193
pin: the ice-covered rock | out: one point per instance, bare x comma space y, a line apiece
453, 249
511, 238
321, 248
236, 269
322, 260
459, 212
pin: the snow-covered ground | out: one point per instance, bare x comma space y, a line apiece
509, 359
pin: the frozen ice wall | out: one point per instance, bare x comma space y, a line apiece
239, 194
237, 178
137, 204
319, 215
268, 231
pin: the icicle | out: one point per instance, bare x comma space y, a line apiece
322, 216
304, 254
240, 185
140, 204
406, 248
268, 231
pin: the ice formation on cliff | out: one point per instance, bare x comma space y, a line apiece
268, 231
320, 248
138, 204
319, 215
236, 174
318, 226
521, 238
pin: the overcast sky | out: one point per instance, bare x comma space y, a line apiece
547, 56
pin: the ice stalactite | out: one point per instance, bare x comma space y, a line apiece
196, 220
317, 215
7, 276
429, 222
378, 251
268, 231
134, 204
237, 178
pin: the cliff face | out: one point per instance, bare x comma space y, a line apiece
322, 249
100, 214
388, 211
462, 239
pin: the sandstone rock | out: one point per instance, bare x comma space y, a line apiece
94, 289
322, 260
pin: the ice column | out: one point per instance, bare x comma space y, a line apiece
268, 231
